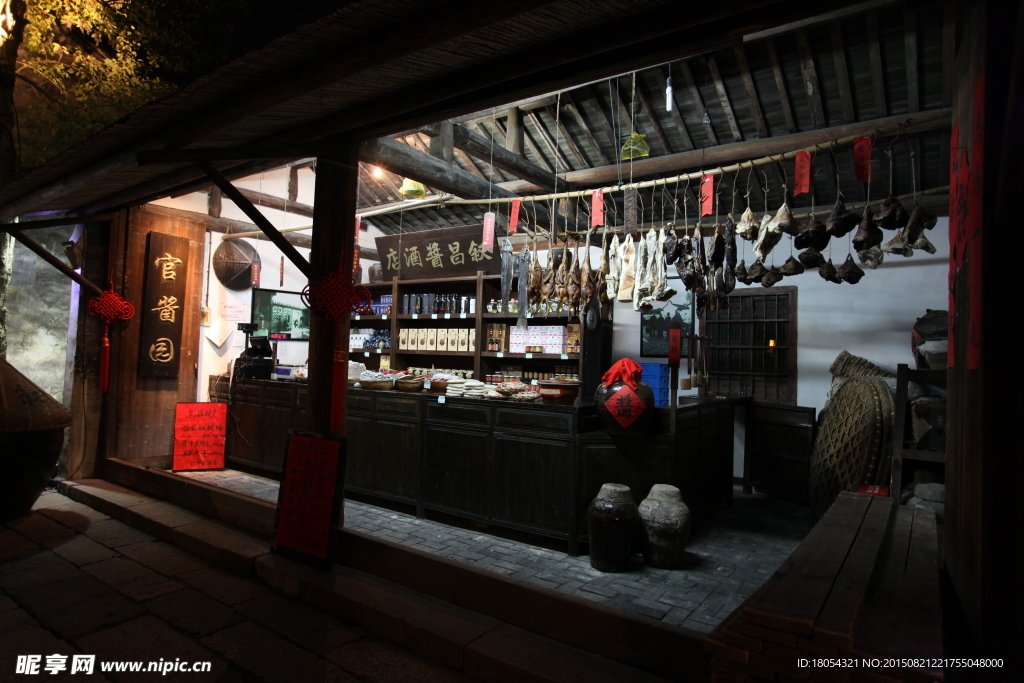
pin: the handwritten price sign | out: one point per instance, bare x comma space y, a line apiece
308, 501
199, 435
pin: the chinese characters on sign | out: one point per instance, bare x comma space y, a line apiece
436, 254
166, 270
309, 497
200, 430
625, 406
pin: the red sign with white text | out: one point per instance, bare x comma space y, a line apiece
200, 430
597, 208
862, 159
305, 505
513, 216
707, 191
803, 173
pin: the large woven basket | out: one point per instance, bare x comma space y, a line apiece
377, 385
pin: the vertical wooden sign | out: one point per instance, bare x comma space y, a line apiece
200, 431
310, 497
163, 305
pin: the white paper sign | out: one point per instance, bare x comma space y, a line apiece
235, 312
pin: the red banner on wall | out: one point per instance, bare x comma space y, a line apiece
200, 431
597, 208
707, 193
513, 216
862, 159
802, 174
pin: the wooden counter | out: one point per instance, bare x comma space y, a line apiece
529, 467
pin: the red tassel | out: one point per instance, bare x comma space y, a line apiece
105, 362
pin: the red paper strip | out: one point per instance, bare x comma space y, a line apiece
675, 347
707, 195
803, 173
862, 159
488, 238
356, 269
513, 216
359, 223
200, 430
306, 499
597, 208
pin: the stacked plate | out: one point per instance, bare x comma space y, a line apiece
456, 387
474, 388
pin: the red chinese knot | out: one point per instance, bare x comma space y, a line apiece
110, 307
336, 296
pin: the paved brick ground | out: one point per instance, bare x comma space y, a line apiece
73, 581
730, 556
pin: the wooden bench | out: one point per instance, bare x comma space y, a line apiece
863, 586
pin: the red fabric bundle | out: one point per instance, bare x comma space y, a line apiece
626, 370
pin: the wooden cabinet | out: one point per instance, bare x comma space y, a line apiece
905, 459
455, 462
530, 482
779, 443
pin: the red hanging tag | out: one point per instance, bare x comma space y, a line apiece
513, 216
862, 159
488, 238
357, 271
597, 208
359, 223
675, 346
707, 195
803, 173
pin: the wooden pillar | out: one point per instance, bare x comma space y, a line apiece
442, 145
334, 215
514, 131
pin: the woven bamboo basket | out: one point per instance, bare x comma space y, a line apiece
411, 386
377, 385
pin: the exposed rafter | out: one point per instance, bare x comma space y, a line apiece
810, 76
677, 117
698, 101
723, 98
875, 62
780, 84
835, 30
748, 85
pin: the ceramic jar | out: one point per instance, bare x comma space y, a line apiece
612, 522
623, 410
376, 273
665, 527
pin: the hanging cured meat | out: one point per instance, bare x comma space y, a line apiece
614, 264
813, 235
850, 271
601, 276
523, 263
917, 223
783, 222
840, 221
811, 258
662, 292
756, 272
562, 278
574, 282
729, 277
828, 272
871, 258
670, 248
508, 271
898, 245
772, 277
791, 267
747, 228
892, 215
644, 286
923, 244
547, 286
717, 247
627, 258
741, 272
768, 237
536, 280
868, 235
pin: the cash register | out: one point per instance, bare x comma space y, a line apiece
256, 361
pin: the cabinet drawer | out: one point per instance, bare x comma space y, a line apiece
392, 405
462, 414
534, 420
360, 402
282, 395
247, 390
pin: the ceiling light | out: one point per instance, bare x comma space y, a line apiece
377, 172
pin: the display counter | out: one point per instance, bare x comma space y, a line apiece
530, 467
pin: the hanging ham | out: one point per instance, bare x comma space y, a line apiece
791, 267
840, 221
811, 258
868, 235
828, 272
871, 258
850, 271
892, 215
627, 258
747, 228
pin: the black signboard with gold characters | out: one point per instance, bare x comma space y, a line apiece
163, 305
433, 254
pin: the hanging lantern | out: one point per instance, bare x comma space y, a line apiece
412, 188
635, 147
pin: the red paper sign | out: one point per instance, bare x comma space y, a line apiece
675, 347
359, 223
625, 406
874, 490
803, 173
707, 192
356, 269
305, 505
597, 208
199, 434
513, 216
862, 159
488, 238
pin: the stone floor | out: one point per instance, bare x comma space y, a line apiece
75, 582
729, 556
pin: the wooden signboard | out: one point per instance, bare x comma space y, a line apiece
163, 305
310, 497
436, 254
200, 430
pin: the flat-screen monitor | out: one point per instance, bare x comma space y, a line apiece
279, 315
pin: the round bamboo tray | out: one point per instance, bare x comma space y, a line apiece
437, 387
411, 386
377, 385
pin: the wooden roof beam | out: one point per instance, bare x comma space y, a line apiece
691, 86
529, 144
677, 118
752, 92
910, 57
948, 51
482, 148
514, 133
590, 99
570, 107
277, 203
835, 30
648, 110
780, 83
810, 76
581, 159
723, 98
548, 142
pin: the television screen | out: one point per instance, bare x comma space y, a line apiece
279, 315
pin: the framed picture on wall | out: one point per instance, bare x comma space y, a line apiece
655, 323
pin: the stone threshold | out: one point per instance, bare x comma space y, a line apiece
533, 632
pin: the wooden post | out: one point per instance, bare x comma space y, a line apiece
333, 241
514, 132
442, 144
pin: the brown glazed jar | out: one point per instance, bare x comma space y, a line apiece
612, 522
624, 410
